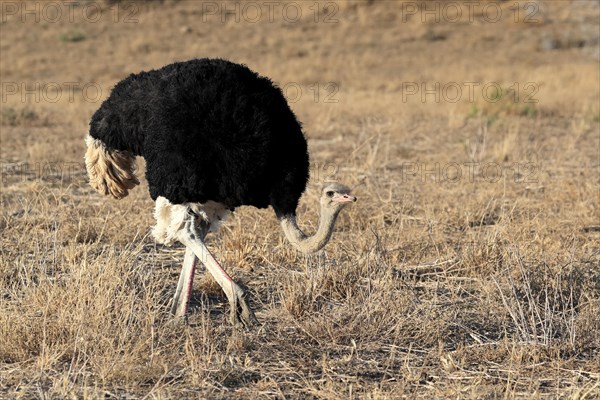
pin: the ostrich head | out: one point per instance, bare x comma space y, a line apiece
335, 197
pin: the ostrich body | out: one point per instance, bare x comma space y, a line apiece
215, 135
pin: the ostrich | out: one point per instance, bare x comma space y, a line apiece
215, 136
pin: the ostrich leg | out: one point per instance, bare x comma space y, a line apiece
240, 311
186, 279
184, 286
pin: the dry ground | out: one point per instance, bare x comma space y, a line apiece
483, 285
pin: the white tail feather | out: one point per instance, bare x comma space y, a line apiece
110, 171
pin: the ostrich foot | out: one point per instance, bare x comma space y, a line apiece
241, 315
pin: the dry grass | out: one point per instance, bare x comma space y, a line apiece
482, 286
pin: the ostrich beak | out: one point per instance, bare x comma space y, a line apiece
343, 198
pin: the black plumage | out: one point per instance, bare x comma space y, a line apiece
209, 129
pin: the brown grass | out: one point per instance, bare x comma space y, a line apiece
480, 286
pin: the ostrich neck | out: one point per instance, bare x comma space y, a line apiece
310, 244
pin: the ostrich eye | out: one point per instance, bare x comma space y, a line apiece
329, 193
